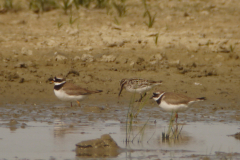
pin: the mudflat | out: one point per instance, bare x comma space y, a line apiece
193, 47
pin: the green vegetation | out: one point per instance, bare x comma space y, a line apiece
42, 5
8, 4
232, 48
151, 19
66, 5
102, 3
59, 24
133, 110
72, 20
173, 131
156, 39
120, 7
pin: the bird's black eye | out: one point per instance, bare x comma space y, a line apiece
55, 79
155, 94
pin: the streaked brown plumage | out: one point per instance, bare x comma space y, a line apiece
137, 85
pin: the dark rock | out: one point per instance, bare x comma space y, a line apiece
100, 147
21, 80
236, 135
140, 60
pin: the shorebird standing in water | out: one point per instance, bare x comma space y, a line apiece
174, 102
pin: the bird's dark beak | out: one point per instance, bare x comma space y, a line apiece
120, 91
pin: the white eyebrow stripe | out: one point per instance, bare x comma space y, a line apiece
161, 95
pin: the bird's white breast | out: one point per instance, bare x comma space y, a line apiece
60, 94
138, 90
173, 107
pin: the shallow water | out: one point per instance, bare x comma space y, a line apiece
42, 140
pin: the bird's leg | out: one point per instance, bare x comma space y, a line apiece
144, 95
78, 103
71, 104
141, 97
176, 116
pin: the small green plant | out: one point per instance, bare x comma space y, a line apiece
151, 19
133, 111
173, 131
59, 25
8, 4
116, 21
85, 3
71, 20
76, 3
156, 39
102, 3
120, 7
42, 5
232, 48
66, 5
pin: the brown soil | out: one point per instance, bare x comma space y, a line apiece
197, 52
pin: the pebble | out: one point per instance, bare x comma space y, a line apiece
153, 62
152, 34
26, 52
51, 43
72, 32
112, 45
109, 58
157, 57
14, 22
220, 57
87, 58
60, 58
205, 13
89, 48
76, 58
132, 63
174, 63
140, 60
116, 27
21, 65
197, 84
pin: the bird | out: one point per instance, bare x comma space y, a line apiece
137, 85
174, 102
67, 91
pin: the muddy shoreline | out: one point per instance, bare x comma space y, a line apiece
197, 53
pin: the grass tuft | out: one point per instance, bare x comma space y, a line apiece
173, 131
151, 19
42, 5
121, 8
66, 5
8, 4
133, 111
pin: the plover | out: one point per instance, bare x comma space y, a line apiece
137, 85
67, 91
174, 102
